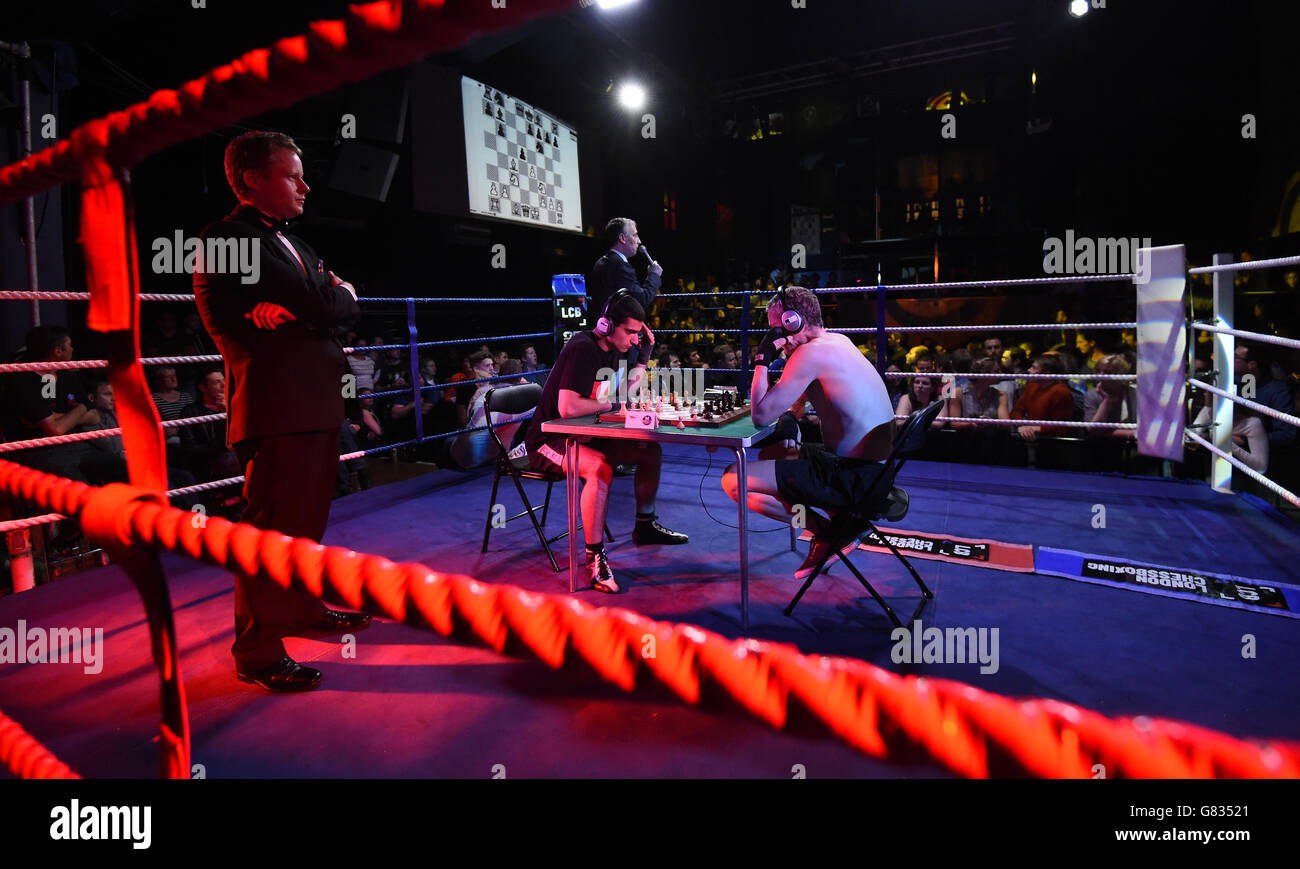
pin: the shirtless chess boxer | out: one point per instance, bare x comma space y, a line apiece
572, 390
857, 423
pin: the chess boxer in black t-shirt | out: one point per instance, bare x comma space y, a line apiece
570, 391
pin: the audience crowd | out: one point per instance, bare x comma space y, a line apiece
381, 408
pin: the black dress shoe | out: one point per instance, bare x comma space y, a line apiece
284, 675
334, 622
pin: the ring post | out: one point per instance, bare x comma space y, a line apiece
745, 307
413, 338
882, 340
1224, 363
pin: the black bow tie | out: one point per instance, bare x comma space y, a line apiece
270, 222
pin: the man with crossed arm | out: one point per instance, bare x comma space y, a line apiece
284, 374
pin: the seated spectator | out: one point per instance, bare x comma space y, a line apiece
529, 359
1253, 363
362, 367
1090, 348
1111, 400
203, 445
1250, 443
922, 391
979, 398
920, 359
440, 412
32, 410
105, 459
512, 368
363, 421
1044, 399
726, 365
896, 386
1070, 364
475, 448
169, 399
696, 360
993, 347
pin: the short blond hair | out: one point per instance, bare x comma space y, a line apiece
252, 151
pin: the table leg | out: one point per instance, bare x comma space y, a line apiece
742, 485
571, 485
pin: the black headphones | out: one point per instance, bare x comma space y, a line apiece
791, 320
603, 326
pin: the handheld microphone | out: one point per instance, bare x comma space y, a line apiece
647, 254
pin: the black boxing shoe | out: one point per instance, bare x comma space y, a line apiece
334, 622
284, 675
649, 531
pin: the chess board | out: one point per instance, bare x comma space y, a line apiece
670, 417
522, 162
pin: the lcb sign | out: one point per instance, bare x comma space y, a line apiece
570, 307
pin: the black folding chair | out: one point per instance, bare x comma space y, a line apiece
515, 400
849, 525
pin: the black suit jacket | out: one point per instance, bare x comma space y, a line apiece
611, 273
283, 380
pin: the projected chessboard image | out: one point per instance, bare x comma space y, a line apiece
522, 162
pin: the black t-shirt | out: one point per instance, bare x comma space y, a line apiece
25, 401
576, 369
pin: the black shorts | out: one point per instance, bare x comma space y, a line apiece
822, 479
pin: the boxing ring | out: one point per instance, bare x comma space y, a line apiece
784, 680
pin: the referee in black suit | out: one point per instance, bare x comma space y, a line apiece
613, 271
275, 326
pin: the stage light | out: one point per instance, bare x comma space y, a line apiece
631, 96
1079, 8
613, 4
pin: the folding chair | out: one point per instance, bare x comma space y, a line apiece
515, 400
849, 525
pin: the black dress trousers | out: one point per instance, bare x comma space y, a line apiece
289, 481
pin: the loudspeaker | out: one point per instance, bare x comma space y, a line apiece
363, 170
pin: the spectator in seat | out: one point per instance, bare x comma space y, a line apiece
31, 409
204, 444
1090, 349
1253, 364
980, 398
1044, 399
475, 448
1250, 443
529, 360
922, 391
362, 367
170, 401
1111, 400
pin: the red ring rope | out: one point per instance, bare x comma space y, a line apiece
973, 732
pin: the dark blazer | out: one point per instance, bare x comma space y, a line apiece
611, 273
283, 380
